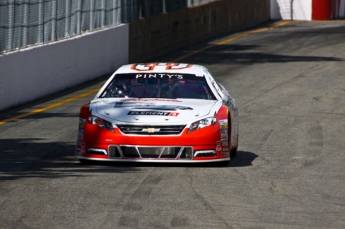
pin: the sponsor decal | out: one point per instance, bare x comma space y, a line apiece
134, 104
82, 120
150, 99
225, 154
152, 66
219, 147
223, 127
223, 122
225, 143
174, 114
158, 113
159, 75
224, 131
223, 136
147, 105
82, 150
225, 149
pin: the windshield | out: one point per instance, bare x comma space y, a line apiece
158, 85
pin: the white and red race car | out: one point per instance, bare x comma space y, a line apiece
159, 112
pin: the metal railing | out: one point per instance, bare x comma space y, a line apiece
24, 23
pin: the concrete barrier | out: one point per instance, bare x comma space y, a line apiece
35, 72
162, 33
32, 73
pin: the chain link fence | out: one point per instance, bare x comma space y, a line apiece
24, 23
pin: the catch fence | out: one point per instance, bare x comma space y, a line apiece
24, 23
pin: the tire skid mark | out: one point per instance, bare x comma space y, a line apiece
142, 192
207, 204
316, 135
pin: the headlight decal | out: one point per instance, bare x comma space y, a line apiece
202, 123
101, 123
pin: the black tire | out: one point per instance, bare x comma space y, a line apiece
223, 163
233, 153
86, 162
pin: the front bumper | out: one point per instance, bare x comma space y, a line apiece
203, 145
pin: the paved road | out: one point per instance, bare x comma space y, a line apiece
289, 84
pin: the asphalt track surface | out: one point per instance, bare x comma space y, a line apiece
289, 85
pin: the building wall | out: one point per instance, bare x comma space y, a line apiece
291, 10
307, 10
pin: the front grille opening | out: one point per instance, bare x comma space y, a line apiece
158, 152
114, 152
130, 152
168, 152
151, 130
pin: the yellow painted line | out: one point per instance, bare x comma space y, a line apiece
40, 110
51, 106
283, 23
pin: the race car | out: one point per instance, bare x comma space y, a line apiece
159, 112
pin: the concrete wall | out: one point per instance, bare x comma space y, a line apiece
160, 34
32, 73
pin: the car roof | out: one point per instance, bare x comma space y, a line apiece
183, 68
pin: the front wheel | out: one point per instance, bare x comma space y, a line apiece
233, 152
86, 162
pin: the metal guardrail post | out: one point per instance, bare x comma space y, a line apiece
92, 11
53, 28
79, 17
67, 17
25, 24
114, 11
10, 25
164, 6
291, 9
102, 13
40, 22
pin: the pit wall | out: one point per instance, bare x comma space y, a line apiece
157, 35
32, 73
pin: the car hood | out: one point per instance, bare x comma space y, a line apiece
135, 110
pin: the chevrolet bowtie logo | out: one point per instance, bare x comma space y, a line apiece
150, 130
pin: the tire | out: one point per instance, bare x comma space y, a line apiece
233, 153
223, 163
85, 162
